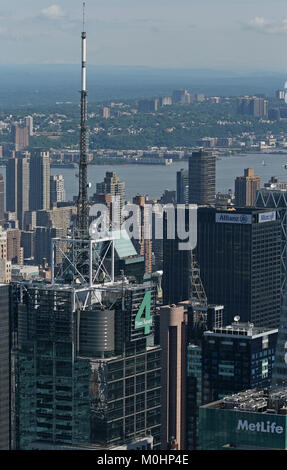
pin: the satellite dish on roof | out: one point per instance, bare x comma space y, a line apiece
237, 318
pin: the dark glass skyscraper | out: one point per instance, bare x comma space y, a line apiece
39, 181
235, 358
182, 187
4, 368
2, 200
85, 377
239, 255
17, 187
202, 174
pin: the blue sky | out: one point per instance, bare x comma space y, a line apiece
221, 34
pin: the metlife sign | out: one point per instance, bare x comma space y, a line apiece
233, 218
267, 217
244, 429
259, 426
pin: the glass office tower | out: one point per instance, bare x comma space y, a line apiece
85, 377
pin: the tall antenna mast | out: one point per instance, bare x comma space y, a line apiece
83, 203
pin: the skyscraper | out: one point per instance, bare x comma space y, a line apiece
280, 368
144, 244
39, 181
29, 124
246, 187
239, 252
20, 135
87, 369
173, 341
274, 196
14, 251
4, 368
2, 202
98, 374
182, 187
180, 96
235, 358
57, 189
253, 105
17, 188
176, 267
116, 188
202, 174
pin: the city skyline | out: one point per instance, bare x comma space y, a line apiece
163, 33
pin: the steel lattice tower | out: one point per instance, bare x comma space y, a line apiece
83, 202
197, 295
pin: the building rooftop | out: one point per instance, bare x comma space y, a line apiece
241, 329
256, 401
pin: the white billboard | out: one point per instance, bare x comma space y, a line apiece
233, 218
267, 217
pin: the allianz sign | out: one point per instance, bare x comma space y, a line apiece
267, 427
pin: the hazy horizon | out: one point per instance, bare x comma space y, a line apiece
32, 85
223, 34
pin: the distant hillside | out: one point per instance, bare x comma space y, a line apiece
46, 84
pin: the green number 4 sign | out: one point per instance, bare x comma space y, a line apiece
144, 318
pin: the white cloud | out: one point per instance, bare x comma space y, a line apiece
263, 25
54, 12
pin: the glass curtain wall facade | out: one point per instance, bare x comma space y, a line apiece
84, 377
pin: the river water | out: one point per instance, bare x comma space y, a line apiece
154, 179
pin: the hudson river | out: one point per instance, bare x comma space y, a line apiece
154, 179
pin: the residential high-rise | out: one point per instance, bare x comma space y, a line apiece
14, 251
246, 187
275, 183
17, 187
235, 358
106, 112
39, 181
30, 124
20, 135
2, 200
280, 94
5, 264
5, 368
180, 96
148, 106
173, 340
202, 174
116, 188
182, 187
27, 243
57, 189
144, 244
252, 105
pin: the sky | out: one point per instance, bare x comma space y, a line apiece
249, 35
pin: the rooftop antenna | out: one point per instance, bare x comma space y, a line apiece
83, 203
84, 16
